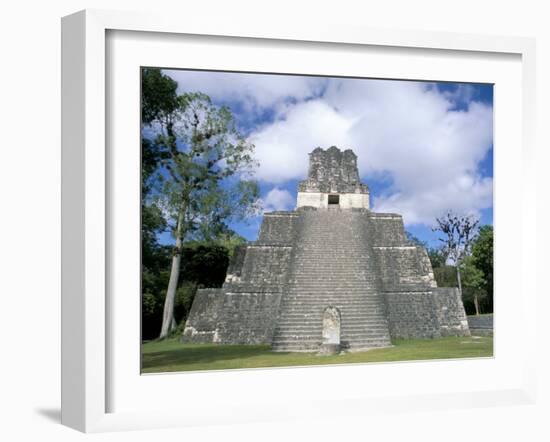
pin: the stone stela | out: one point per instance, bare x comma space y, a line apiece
330, 275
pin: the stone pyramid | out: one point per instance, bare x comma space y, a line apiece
330, 256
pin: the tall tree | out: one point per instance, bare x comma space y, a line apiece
207, 166
482, 255
158, 103
459, 231
159, 99
473, 281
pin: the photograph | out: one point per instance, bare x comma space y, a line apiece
302, 220
252, 222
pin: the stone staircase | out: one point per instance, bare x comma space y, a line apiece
332, 266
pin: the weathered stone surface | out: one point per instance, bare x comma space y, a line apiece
248, 318
349, 259
333, 180
480, 321
331, 326
332, 265
329, 349
450, 312
204, 317
481, 325
412, 315
333, 171
236, 264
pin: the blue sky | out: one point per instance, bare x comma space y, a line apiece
423, 148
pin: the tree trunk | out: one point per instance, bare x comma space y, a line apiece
168, 314
173, 324
458, 279
476, 304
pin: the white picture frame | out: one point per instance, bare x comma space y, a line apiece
86, 202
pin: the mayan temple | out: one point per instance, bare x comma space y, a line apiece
330, 275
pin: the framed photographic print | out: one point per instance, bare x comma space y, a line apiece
251, 216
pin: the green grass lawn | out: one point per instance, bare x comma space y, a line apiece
171, 355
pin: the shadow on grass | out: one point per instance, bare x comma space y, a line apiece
204, 353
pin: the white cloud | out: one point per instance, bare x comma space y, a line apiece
277, 199
255, 92
282, 147
408, 131
466, 195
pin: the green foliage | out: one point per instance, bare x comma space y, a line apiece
230, 241
472, 277
209, 165
148, 304
152, 222
445, 276
437, 256
482, 256
158, 96
154, 277
204, 263
184, 298
473, 284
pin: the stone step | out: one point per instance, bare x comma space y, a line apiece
325, 302
316, 288
314, 328
302, 310
304, 313
343, 249
314, 344
327, 288
345, 330
332, 265
336, 291
358, 324
365, 301
334, 258
321, 298
322, 282
371, 298
312, 318
366, 345
349, 326
346, 323
347, 252
293, 334
301, 313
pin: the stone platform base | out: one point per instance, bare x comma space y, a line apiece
329, 349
